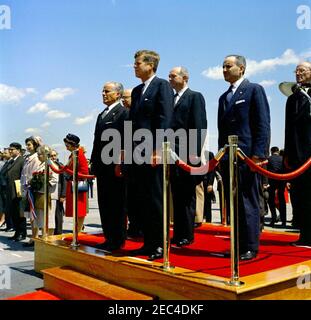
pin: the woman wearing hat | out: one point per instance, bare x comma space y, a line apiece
72, 143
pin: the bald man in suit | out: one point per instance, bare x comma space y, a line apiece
189, 114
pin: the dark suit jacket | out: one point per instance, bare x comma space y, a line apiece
248, 117
154, 109
13, 172
297, 130
189, 113
113, 120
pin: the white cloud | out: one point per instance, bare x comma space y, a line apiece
88, 118
58, 94
289, 57
31, 90
45, 124
38, 107
9, 94
32, 130
267, 83
57, 114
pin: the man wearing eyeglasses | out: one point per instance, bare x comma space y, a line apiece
298, 149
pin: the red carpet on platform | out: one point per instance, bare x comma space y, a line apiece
37, 295
212, 241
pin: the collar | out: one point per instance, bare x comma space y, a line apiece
147, 82
236, 84
182, 91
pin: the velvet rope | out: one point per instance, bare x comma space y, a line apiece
276, 176
210, 166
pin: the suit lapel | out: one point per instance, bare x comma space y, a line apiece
112, 113
185, 94
149, 89
237, 95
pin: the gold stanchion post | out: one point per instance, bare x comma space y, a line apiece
234, 219
222, 199
75, 242
166, 206
45, 231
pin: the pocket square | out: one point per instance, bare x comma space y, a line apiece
108, 122
146, 99
240, 101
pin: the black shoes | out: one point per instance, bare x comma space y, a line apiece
182, 242
152, 254
156, 254
19, 237
248, 255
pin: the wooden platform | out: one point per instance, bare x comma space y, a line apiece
70, 284
177, 284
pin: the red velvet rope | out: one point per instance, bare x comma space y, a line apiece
277, 176
210, 166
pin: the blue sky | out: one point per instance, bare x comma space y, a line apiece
58, 54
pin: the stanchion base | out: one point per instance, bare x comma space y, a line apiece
167, 268
75, 245
235, 283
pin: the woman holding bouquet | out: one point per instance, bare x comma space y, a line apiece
37, 188
72, 143
31, 164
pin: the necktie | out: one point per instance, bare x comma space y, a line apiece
176, 96
230, 94
105, 113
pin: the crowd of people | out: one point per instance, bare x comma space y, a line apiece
130, 195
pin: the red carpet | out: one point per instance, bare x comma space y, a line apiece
37, 295
275, 251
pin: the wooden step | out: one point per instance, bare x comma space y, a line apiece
70, 284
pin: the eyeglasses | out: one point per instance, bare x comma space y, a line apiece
11, 149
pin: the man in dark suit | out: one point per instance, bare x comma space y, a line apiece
110, 188
244, 111
13, 173
275, 164
298, 148
189, 114
152, 107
